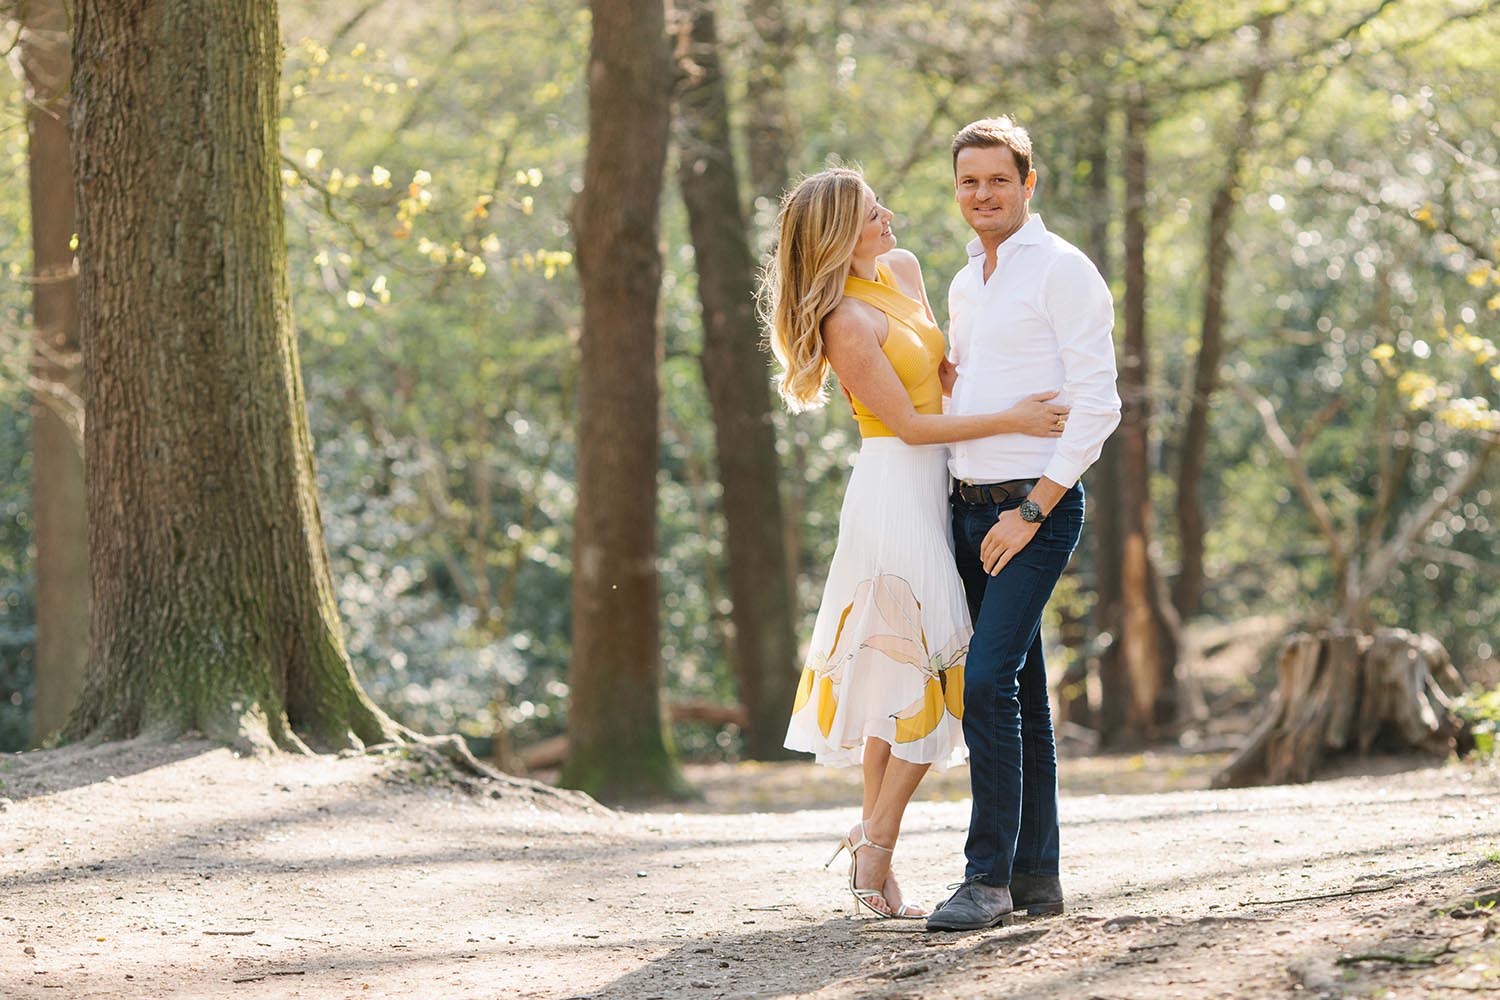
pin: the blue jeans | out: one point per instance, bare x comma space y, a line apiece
1007, 721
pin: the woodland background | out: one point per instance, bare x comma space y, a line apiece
1296, 205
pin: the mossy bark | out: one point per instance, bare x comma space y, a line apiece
617, 746
213, 601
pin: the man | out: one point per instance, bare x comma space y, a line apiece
1028, 312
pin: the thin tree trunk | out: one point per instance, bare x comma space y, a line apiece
1074, 704
768, 112
618, 746
1146, 666
734, 369
213, 602
770, 130
1187, 593
57, 491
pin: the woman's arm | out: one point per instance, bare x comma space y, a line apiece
852, 344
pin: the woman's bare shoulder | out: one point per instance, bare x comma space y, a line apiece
853, 322
900, 259
908, 270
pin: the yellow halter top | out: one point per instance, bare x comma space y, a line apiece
913, 345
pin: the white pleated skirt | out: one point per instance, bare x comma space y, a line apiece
888, 647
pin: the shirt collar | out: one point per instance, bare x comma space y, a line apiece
1032, 232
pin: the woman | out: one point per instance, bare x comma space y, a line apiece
883, 683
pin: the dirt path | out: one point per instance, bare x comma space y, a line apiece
182, 872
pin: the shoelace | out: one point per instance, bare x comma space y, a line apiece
969, 880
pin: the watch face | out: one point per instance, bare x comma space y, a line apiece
1030, 512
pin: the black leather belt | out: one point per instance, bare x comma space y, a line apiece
982, 493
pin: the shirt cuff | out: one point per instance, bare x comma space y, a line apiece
1063, 471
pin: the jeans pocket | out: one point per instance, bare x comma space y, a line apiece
1062, 529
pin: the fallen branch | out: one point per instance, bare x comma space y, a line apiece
1393, 959
1321, 895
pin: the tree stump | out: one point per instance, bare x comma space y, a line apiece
1342, 690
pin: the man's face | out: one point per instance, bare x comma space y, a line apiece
990, 190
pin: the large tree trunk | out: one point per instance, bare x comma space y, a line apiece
213, 602
734, 369
1187, 592
1345, 690
617, 743
57, 492
1138, 672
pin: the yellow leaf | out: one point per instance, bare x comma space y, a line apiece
828, 705
921, 717
953, 690
804, 689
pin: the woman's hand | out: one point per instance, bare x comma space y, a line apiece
947, 375
1038, 417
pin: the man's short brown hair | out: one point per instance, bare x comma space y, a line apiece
987, 133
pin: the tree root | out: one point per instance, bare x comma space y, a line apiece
450, 757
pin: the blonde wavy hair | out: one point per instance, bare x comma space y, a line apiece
819, 225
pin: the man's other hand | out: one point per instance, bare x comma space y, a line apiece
1009, 536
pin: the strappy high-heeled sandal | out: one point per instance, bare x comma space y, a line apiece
905, 911
863, 896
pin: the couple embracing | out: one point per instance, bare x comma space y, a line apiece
957, 520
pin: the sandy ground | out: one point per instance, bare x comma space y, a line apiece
181, 871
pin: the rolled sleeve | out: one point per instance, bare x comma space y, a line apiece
1082, 313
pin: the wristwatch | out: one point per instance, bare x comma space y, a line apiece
1030, 512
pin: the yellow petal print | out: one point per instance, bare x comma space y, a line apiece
828, 704
804, 690
838, 634
953, 690
922, 716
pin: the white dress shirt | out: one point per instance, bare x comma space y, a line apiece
1042, 321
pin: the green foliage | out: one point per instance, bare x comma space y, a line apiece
17, 602
432, 156
1481, 710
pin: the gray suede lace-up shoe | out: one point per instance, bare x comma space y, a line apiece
974, 906
1037, 895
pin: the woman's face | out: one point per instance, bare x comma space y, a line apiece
875, 236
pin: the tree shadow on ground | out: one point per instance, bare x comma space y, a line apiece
778, 963
47, 772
